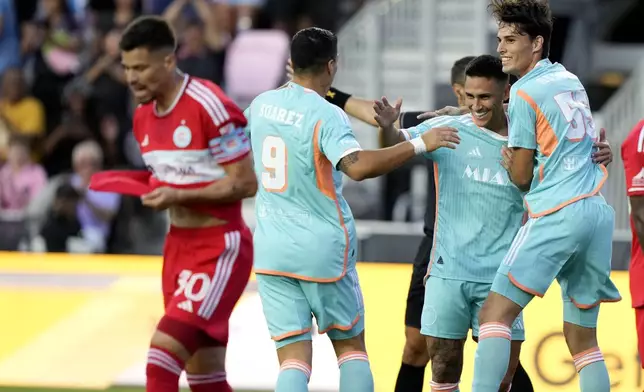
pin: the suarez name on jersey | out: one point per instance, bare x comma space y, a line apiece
633, 158
478, 209
549, 113
305, 228
189, 144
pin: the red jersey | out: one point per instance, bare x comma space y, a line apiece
189, 145
633, 157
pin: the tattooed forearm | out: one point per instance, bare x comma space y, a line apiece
349, 160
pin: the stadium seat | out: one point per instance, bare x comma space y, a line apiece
255, 63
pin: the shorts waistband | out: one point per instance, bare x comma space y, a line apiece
193, 232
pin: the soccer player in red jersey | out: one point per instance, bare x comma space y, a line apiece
192, 140
633, 157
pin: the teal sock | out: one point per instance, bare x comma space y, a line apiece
593, 375
492, 357
355, 373
293, 377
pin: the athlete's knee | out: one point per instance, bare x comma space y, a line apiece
178, 337
353, 344
415, 350
578, 338
498, 308
447, 359
207, 360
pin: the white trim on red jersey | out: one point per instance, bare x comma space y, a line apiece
186, 78
209, 101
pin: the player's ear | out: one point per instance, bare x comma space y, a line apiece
170, 61
331, 67
537, 44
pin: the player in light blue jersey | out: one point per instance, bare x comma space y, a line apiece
305, 239
570, 231
479, 210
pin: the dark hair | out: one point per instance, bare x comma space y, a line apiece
312, 49
487, 66
150, 32
529, 17
458, 70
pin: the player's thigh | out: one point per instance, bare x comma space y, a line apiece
211, 276
338, 306
478, 295
286, 309
416, 293
538, 253
446, 312
585, 280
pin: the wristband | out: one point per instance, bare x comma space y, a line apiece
337, 97
419, 145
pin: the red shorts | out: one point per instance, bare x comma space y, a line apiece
205, 272
639, 322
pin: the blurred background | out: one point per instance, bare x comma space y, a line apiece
65, 113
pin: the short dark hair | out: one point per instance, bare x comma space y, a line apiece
487, 66
312, 49
530, 17
458, 70
149, 32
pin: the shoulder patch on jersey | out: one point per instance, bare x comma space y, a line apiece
182, 136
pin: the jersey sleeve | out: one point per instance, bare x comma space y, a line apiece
633, 157
224, 125
336, 137
523, 123
247, 127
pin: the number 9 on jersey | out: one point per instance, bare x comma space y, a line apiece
274, 176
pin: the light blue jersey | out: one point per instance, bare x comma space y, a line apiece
479, 210
549, 112
305, 228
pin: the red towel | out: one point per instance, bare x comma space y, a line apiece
124, 182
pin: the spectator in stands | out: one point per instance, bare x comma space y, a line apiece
20, 179
75, 128
244, 12
56, 44
112, 139
201, 43
20, 114
106, 78
62, 223
9, 42
294, 15
124, 12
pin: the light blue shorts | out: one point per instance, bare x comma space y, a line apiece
290, 304
452, 308
573, 245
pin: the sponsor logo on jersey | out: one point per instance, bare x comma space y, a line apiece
486, 175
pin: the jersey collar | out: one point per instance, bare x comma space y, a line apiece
186, 79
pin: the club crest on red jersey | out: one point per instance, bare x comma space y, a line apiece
182, 136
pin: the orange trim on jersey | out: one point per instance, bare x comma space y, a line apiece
290, 334
574, 199
546, 136
431, 258
341, 327
584, 306
324, 179
524, 288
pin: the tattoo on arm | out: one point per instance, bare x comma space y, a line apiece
347, 161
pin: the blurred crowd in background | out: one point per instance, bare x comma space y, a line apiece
65, 108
